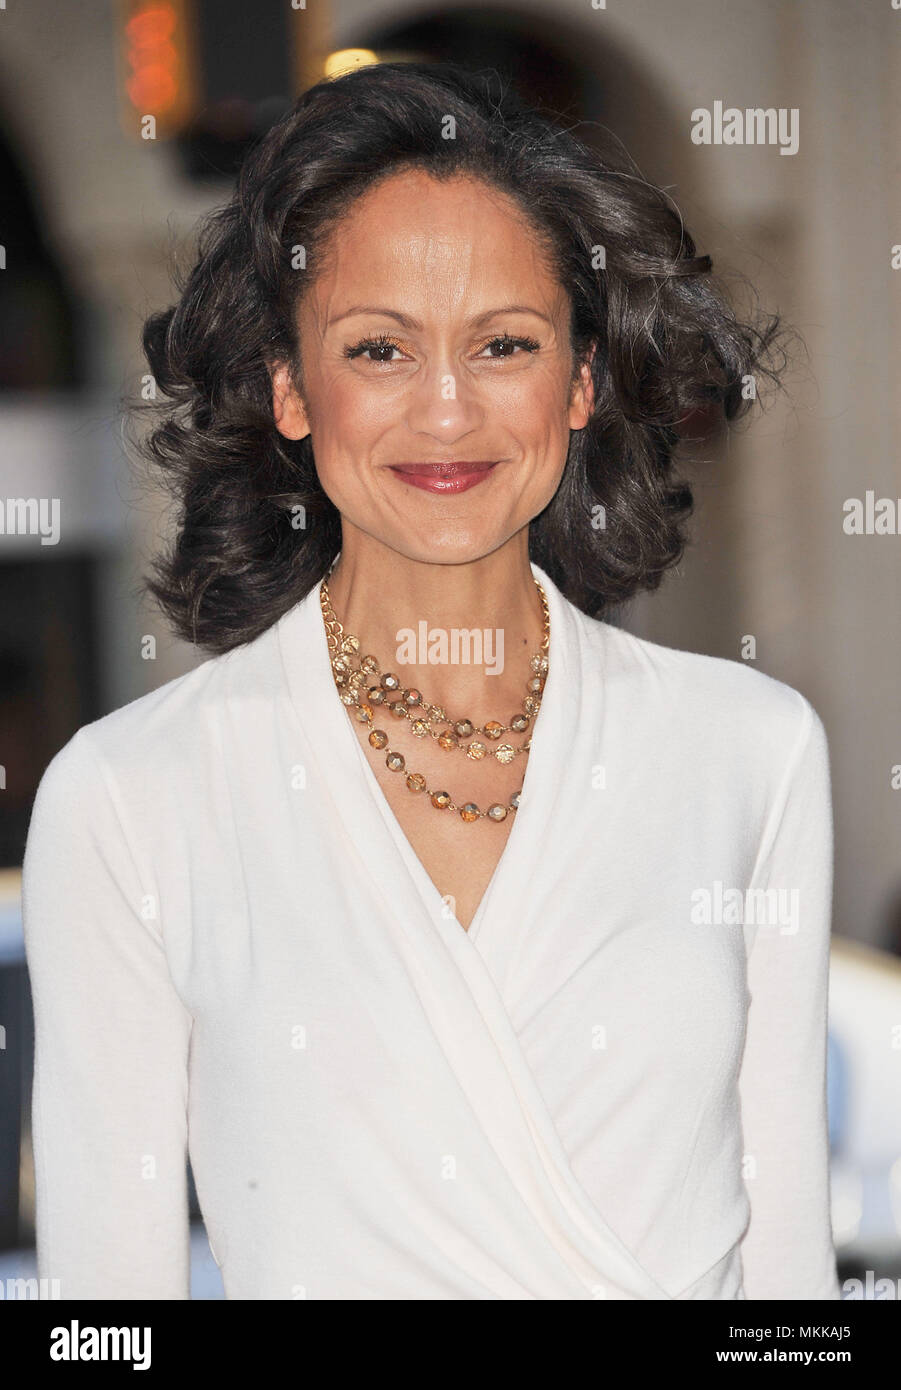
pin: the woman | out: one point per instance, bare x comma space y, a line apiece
421, 1037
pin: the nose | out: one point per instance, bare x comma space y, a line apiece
443, 402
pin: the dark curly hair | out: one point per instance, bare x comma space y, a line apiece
667, 344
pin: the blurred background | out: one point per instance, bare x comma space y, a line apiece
98, 207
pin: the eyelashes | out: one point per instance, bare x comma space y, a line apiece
380, 340
385, 342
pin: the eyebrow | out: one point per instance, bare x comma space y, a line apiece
414, 325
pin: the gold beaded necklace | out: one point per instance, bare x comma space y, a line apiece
351, 672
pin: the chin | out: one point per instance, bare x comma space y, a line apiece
442, 548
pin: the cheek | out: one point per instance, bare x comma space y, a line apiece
354, 410
346, 424
536, 403
541, 424
538, 418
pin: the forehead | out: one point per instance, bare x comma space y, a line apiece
452, 242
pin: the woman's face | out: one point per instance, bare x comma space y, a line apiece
435, 335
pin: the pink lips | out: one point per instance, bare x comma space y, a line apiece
444, 477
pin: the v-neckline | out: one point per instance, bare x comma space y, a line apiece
315, 698
426, 885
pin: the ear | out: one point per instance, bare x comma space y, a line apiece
582, 399
287, 407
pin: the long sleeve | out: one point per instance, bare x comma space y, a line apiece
111, 1044
787, 1251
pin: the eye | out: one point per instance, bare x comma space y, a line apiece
507, 342
382, 343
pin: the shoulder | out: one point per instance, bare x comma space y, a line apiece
164, 735
711, 704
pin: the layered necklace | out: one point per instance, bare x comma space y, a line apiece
355, 678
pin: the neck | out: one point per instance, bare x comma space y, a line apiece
402, 608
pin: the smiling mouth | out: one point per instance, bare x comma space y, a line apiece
444, 477
443, 470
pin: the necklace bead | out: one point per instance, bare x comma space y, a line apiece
350, 671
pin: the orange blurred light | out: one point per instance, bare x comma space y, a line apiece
152, 89
153, 59
151, 26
